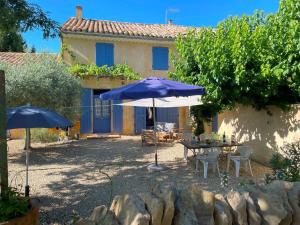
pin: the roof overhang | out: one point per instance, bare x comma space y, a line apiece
117, 37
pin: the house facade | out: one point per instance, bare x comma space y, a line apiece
144, 47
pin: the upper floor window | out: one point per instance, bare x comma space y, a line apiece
104, 54
160, 58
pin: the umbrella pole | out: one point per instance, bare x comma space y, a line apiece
155, 136
27, 161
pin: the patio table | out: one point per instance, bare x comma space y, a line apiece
194, 145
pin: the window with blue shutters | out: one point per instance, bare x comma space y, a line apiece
104, 54
160, 58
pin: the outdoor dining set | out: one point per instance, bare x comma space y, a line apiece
208, 151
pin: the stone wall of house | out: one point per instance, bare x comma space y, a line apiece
273, 204
265, 131
137, 53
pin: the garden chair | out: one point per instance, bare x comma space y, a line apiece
147, 137
244, 156
210, 158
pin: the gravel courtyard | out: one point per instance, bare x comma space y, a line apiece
65, 177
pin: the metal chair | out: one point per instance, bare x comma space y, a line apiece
210, 158
245, 153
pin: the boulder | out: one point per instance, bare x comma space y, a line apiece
293, 192
222, 213
168, 195
155, 207
270, 206
194, 206
238, 207
130, 210
278, 188
103, 216
84, 222
252, 214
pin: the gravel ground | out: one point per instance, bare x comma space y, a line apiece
65, 177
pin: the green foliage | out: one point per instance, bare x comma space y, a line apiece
19, 15
16, 205
115, 71
42, 135
11, 42
44, 82
287, 166
251, 60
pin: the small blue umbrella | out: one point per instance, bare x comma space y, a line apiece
32, 117
153, 87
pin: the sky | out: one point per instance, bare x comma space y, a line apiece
187, 12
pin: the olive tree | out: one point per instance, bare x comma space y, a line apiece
43, 81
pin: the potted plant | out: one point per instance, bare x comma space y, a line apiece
18, 209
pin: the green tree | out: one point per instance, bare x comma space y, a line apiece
44, 82
17, 16
11, 42
251, 60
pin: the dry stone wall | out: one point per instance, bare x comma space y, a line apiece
277, 203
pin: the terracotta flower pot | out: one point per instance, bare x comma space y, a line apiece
30, 218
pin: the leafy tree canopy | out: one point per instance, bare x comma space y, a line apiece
251, 60
11, 42
44, 82
19, 15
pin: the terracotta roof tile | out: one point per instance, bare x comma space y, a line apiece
169, 31
17, 58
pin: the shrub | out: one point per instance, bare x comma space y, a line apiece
286, 166
42, 135
16, 205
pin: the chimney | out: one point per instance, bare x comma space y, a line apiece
78, 12
170, 22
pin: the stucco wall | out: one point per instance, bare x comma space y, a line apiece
263, 132
135, 53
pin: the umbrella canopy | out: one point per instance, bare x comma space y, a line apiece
153, 87
167, 102
33, 117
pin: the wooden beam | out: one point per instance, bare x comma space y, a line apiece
3, 141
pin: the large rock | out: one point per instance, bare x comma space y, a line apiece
194, 206
293, 192
238, 206
168, 195
269, 205
130, 210
222, 213
278, 188
103, 216
252, 214
155, 207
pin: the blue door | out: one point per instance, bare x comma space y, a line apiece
169, 115
139, 119
104, 54
102, 112
117, 117
86, 111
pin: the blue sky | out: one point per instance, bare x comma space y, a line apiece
190, 12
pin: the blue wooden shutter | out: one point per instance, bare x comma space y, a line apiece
104, 54
117, 117
139, 119
169, 115
160, 58
215, 125
86, 111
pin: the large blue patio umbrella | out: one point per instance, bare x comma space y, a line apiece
153, 87
33, 117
